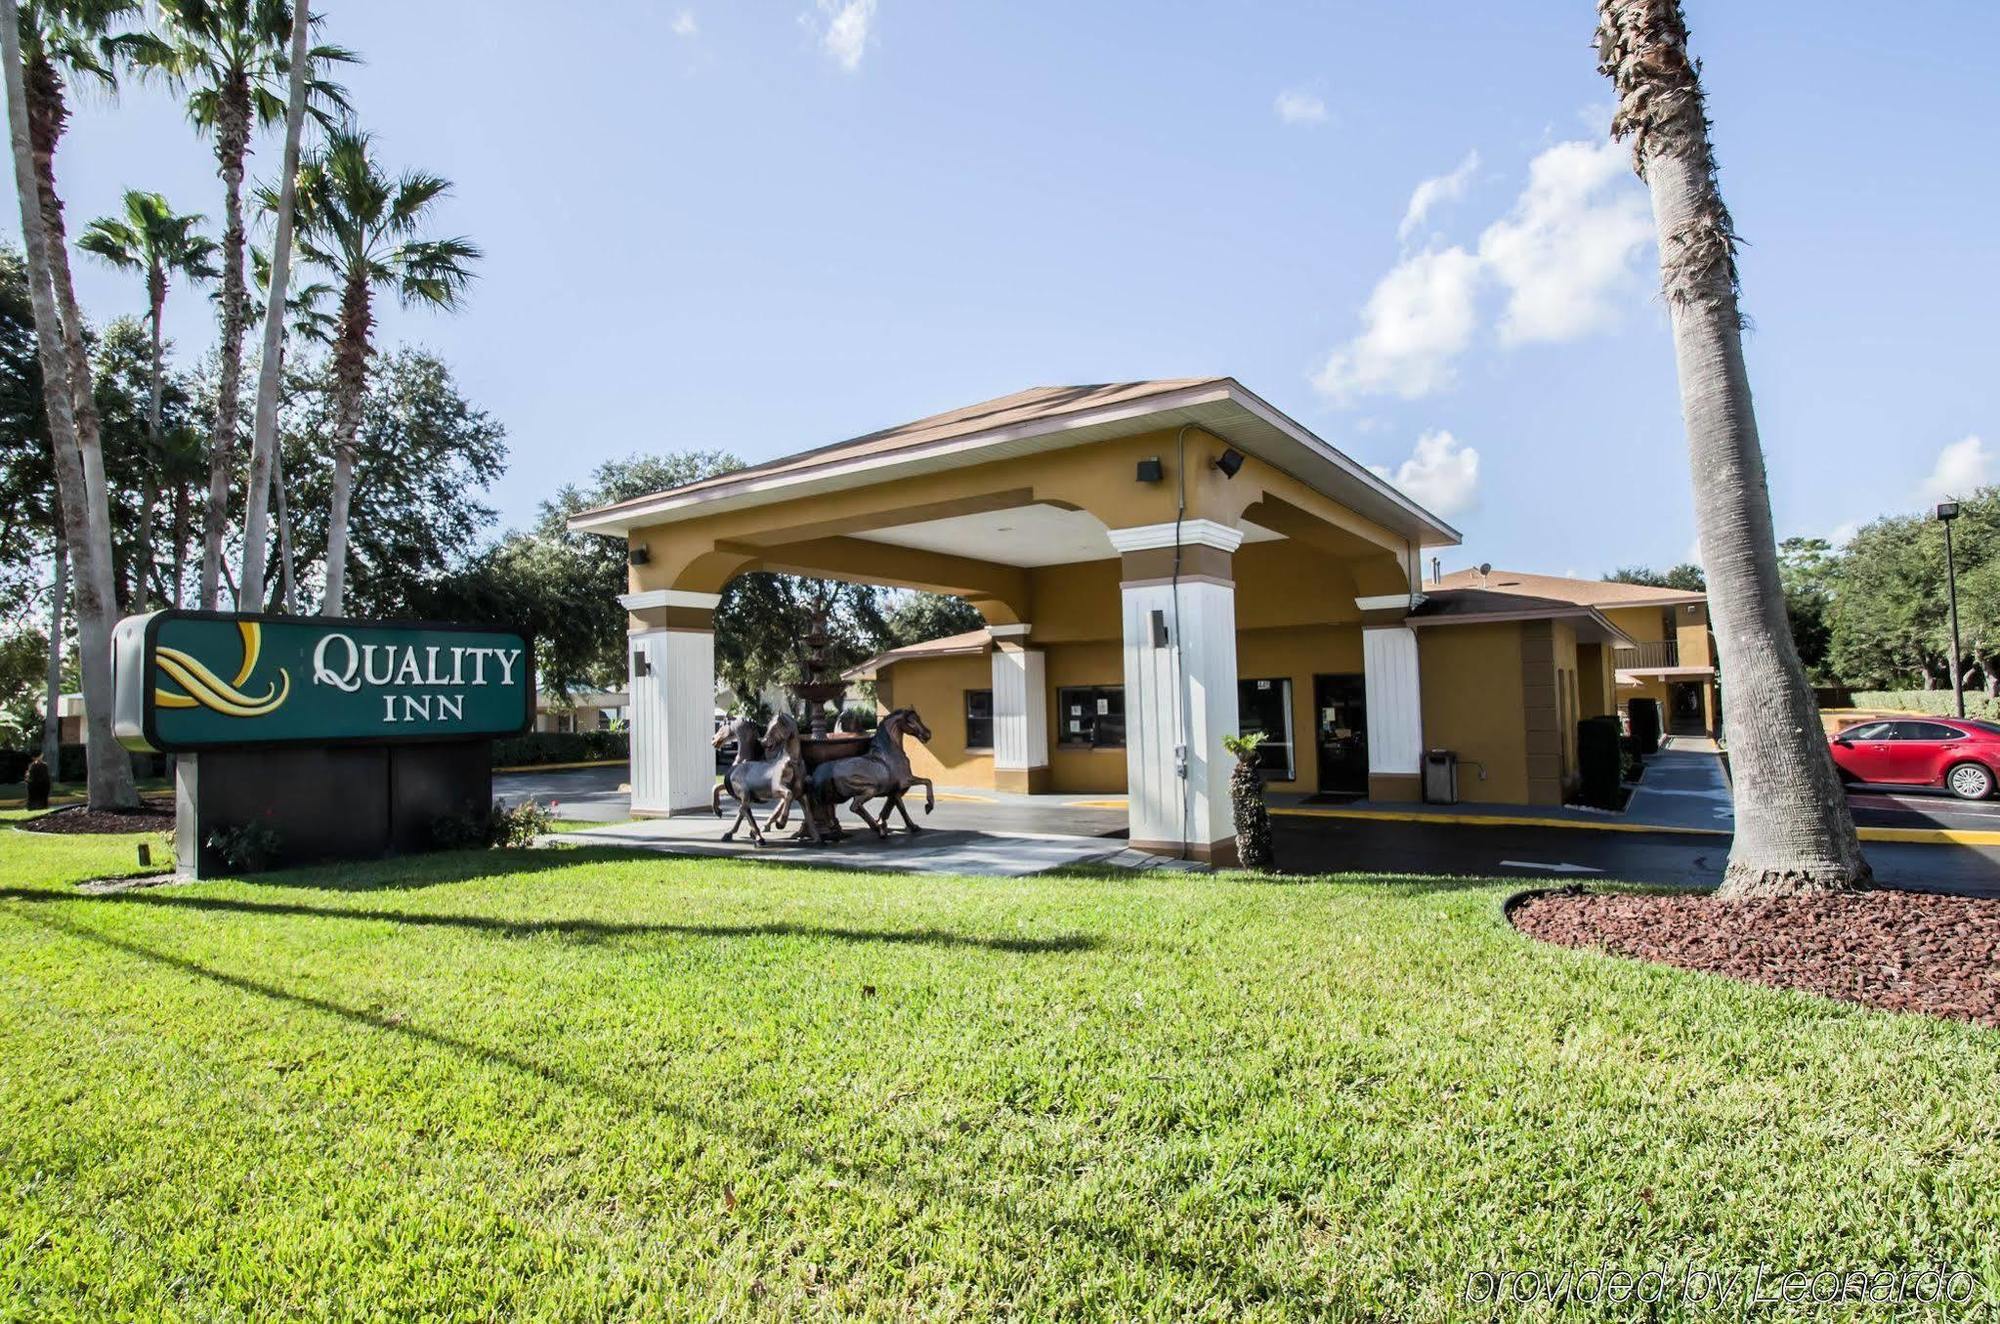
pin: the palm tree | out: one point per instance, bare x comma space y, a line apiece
277, 276
36, 46
362, 229
151, 238
306, 319
1794, 833
229, 60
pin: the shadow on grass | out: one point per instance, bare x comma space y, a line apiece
587, 930
1142, 1246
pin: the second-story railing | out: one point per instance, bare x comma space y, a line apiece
1659, 653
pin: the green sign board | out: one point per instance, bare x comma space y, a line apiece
188, 680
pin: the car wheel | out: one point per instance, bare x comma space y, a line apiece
1969, 781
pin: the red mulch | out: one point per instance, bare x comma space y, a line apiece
1900, 951
154, 815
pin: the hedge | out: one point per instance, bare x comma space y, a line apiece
71, 764
1938, 703
561, 747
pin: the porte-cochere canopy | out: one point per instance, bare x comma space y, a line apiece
1148, 554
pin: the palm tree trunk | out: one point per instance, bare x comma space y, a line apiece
264, 428
1794, 833
47, 115
287, 576
149, 483
350, 377
52, 714
110, 771
232, 139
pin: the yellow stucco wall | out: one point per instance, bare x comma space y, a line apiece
936, 688
1298, 654
1471, 677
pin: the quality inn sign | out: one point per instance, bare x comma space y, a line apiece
189, 680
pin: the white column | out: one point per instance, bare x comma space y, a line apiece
1395, 701
1020, 702
671, 674
1180, 693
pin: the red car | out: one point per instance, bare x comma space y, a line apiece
1961, 756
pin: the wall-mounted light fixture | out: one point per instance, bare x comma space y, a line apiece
641, 664
1159, 624
1151, 470
639, 555
1229, 462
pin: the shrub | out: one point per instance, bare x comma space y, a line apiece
246, 848
519, 825
38, 784
561, 747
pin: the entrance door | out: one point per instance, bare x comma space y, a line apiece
1684, 715
1340, 722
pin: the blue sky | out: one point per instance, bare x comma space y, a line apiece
765, 226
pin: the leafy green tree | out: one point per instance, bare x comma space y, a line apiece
915, 617
154, 240
364, 230
1687, 577
563, 587
1807, 567
229, 61
424, 456
1886, 623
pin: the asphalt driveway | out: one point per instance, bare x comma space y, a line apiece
1338, 845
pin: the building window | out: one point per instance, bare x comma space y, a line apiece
1266, 706
1091, 716
979, 719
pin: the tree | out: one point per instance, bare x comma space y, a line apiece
915, 617
227, 59
563, 587
364, 230
1807, 567
66, 381
264, 470
1687, 577
1886, 616
425, 456
763, 620
1794, 833
153, 240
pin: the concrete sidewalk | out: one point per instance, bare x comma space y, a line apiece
936, 850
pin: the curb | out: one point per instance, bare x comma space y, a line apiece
1496, 820
562, 767
1906, 836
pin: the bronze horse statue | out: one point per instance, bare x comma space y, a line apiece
778, 776
882, 773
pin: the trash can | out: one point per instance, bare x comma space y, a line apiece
1441, 777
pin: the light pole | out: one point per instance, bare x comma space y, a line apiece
1947, 511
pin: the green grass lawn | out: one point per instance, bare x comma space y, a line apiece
573, 1083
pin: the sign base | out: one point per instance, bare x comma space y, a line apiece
339, 802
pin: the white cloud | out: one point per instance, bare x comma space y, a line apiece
1962, 466
1565, 252
1441, 474
1436, 190
1417, 322
846, 36
1296, 106
1843, 532
685, 24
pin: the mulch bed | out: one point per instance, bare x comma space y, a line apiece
154, 815
1900, 951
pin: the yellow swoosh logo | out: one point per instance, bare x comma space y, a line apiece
207, 690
